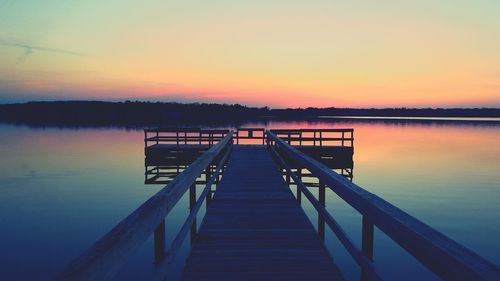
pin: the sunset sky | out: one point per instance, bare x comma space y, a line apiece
261, 52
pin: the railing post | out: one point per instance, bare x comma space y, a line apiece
192, 202
209, 195
299, 192
321, 220
159, 240
366, 244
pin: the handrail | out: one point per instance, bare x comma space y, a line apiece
357, 254
342, 136
186, 136
445, 257
104, 259
250, 134
162, 267
179, 136
312, 130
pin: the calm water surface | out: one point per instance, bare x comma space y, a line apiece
62, 189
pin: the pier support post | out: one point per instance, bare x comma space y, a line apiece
321, 220
159, 240
192, 203
367, 243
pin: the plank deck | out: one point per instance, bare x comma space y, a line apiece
254, 228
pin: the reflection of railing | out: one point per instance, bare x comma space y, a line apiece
446, 258
317, 137
103, 260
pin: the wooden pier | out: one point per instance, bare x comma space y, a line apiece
255, 230
254, 227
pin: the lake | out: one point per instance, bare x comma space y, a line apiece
61, 189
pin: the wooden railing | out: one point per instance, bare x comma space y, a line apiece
183, 136
106, 257
295, 137
317, 137
443, 256
250, 134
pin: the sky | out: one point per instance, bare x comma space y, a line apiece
359, 53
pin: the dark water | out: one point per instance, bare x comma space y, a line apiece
62, 189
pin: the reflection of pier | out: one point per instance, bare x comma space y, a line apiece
254, 227
170, 151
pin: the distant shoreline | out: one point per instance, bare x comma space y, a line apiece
98, 113
493, 119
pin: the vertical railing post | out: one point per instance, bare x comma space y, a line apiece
352, 138
321, 219
299, 192
366, 244
159, 241
209, 195
192, 202
157, 137
342, 138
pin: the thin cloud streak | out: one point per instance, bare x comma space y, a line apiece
29, 49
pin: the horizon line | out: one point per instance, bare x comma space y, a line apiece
240, 104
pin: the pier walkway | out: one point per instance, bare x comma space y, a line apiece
255, 229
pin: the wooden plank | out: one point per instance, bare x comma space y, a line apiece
254, 228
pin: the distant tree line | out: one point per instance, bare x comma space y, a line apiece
97, 113
389, 112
